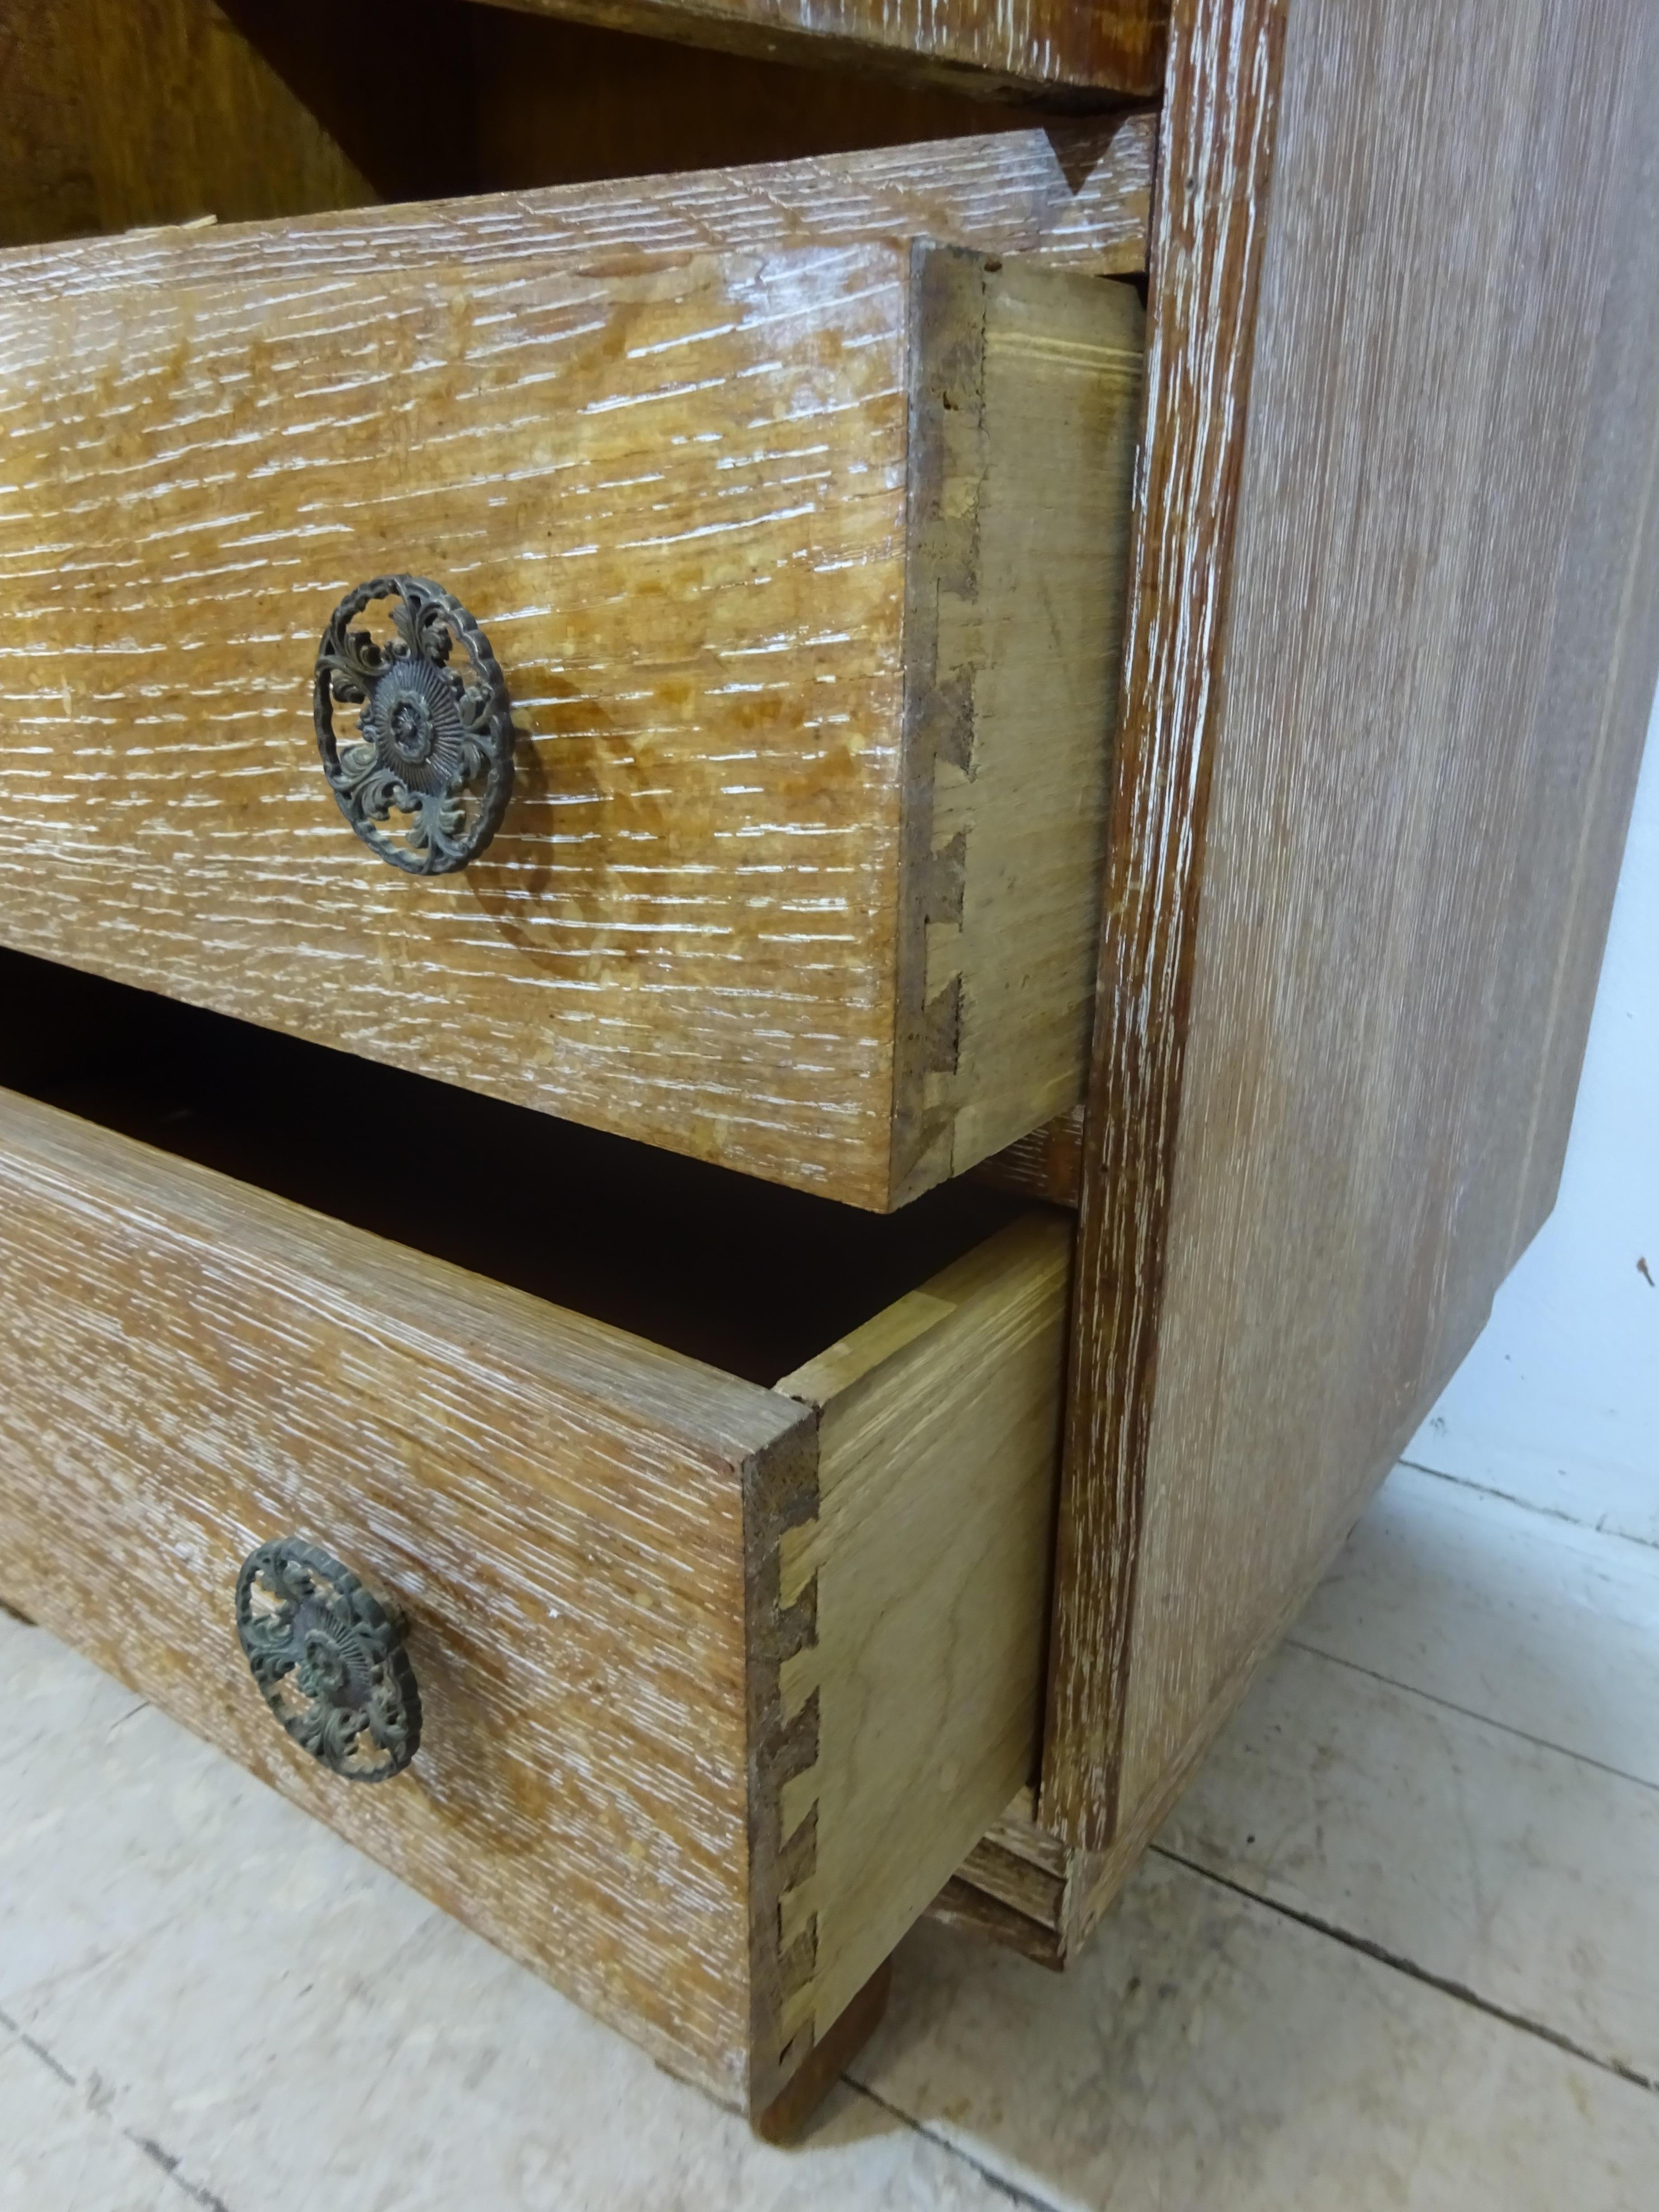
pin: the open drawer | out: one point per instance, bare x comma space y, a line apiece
719, 1681
798, 543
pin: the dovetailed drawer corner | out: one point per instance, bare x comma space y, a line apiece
802, 564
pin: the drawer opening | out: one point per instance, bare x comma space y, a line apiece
749, 1276
465, 100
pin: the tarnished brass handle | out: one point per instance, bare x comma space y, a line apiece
329, 1659
434, 737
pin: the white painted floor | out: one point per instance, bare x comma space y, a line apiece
1397, 1951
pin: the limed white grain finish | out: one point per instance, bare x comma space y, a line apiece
1383, 853
154, 1905
1078, 194
1057, 50
689, 505
153, 1902
194, 1368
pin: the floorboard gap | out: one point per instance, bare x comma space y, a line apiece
1532, 1505
1011, 2189
1402, 1965
1468, 1712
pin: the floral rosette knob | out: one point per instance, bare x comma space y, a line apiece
328, 1656
434, 735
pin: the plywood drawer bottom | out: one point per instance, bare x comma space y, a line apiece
720, 1680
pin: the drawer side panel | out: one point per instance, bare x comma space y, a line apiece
925, 1571
1025, 414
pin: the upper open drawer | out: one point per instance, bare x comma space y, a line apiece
802, 565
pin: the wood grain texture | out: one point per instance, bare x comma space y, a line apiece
1033, 1892
1023, 415
1065, 52
1422, 722
1219, 121
116, 112
688, 1255
1015, 1886
972, 1911
1024, 1886
926, 1570
191, 1368
164, 109
1077, 194
700, 1743
690, 550
1096, 1879
791, 2113
1046, 1164
676, 501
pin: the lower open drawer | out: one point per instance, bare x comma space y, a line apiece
720, 1680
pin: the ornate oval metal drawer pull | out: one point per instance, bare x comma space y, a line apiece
434, 741
330, 1660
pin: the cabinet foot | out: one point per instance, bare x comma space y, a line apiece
785, 2119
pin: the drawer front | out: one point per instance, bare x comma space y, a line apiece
802, 566
711, 1708
190, 1369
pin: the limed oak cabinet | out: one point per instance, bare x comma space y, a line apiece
1001, 657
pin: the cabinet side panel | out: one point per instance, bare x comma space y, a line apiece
1436, 681
1205, 261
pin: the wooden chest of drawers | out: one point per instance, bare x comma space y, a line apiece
1147, 621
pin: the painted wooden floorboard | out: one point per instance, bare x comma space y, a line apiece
1539, 1625
1211, 2052
58, 2153
1483, 1859
1210, 2055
